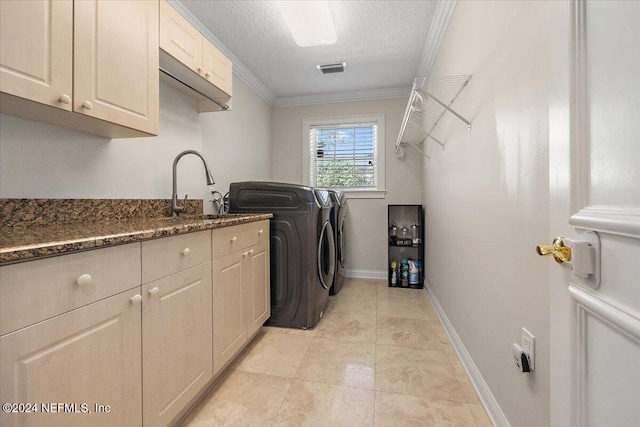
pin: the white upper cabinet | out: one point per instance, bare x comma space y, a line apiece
36, 55
189, 57
96, 58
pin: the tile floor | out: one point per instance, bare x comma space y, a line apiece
378, 357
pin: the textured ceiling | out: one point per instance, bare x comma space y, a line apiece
381, 41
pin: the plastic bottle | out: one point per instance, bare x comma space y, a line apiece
414, 272
394, 273
405, 272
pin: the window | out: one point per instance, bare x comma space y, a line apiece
345, 153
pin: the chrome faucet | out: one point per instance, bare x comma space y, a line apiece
175, 207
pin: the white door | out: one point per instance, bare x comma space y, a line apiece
594, 163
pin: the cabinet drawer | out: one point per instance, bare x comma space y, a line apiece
37, 290
227, 240
256, 232
169, 255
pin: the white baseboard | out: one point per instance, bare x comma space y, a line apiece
491, 406
366, 274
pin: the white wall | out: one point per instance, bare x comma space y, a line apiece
237, 143
43, 161
367, 222
486, 198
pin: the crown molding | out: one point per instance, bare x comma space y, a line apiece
441, 17
335, 97
239, 69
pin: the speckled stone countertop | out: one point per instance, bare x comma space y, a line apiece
26, 243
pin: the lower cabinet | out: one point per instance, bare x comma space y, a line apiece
87, 359
176, 342
229, 331
241, 293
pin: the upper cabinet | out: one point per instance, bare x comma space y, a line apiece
88, 65
191, 63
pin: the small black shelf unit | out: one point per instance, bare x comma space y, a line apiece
399, 248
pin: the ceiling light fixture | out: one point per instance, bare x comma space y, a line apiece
309, 22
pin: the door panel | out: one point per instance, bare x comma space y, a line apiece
116, 62
594, 181
217, 67
88, 355
229, 331
177, 341
36, 55
258, 288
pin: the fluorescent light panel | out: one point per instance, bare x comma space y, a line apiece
309, 22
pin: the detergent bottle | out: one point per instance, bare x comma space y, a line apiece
414, 272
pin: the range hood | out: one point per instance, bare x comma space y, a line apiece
208, 96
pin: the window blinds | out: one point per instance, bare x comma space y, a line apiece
343, 156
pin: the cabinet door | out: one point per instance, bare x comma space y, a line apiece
116, 62
89, 355
176, 342
179, 38
229, 330
258, 289
217, 67
36, 50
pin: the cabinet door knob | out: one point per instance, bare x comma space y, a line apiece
251, 252
260, 231
136, 299
244, 254
65, 99
154, 290
207, 75
186, 251
87, 105
234, 238
84, 280
200, 70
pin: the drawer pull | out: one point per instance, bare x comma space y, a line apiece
260, 231
234, 238
65, 99
154, 290
136, 299
84, 280
186, 251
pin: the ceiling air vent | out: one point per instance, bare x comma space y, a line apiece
332, 68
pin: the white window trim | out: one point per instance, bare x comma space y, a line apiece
354, 193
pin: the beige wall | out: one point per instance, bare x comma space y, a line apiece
40, 160
486, 198
237, 143
367, 222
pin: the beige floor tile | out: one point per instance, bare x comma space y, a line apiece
290, 331
451, 353
417, 372
275, 353
358, 288
416, 307
469, 391
336, 362
416, 333
342, 325
362, 305
400, 410
241, 399
315, 404
479, 415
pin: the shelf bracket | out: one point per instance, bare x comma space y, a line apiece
446, 107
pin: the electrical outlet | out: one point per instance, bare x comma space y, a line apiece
529, 346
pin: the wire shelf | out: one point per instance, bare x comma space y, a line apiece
430, 99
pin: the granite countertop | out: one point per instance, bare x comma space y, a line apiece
27, 243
